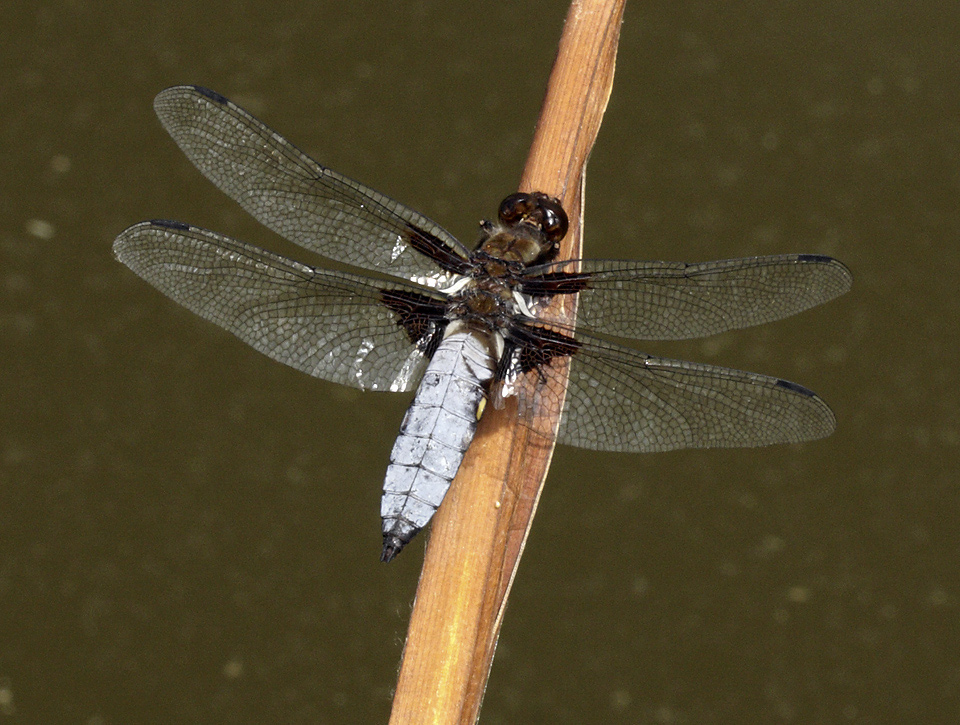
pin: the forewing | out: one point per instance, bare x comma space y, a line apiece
332, 325
675, 301
298, 198
620, 399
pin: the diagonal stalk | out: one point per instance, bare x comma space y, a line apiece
479, 532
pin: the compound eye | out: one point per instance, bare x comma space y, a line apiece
515, 207
554, 220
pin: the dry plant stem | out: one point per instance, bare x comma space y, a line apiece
479, 533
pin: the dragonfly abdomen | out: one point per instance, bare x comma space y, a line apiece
436, 431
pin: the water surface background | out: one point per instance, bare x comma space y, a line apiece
189, 532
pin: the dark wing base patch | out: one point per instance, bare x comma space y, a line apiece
420, 315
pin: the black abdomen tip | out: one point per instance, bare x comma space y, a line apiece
392, 546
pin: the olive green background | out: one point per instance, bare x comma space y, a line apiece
189, 532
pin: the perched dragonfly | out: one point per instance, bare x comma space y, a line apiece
462, 326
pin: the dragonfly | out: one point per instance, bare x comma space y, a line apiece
464, 326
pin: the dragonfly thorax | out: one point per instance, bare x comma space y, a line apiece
486, 304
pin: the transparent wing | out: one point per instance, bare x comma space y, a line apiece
619, 399
298, 198
331, 325
675, 301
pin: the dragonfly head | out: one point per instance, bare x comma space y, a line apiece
528, 229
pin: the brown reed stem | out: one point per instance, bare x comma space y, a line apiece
479, 532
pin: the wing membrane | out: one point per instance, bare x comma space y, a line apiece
298, 198
619, 399
676, 301
331, 325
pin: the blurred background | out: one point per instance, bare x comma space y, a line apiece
190, 532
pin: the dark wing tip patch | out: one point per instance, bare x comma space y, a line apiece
211, 95
842, 276
796, 388
170, 224
815, 258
